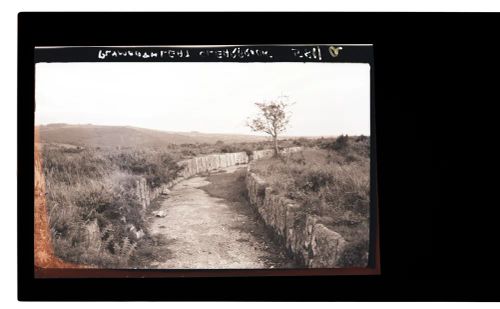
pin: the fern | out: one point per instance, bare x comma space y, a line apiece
125, 251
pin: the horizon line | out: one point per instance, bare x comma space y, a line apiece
193, 131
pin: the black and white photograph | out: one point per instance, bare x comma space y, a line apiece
193, 165
225, 154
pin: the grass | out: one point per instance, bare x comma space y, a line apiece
95, 216
229, 186
331, 181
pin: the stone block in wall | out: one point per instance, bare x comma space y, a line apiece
250, 184
206, 164
278, 213
265, 209
327, 247
260, 154
93, 234
268, 208
256, 189
281, 217
198, 165
212, 162
307, 252
297, 238
310, 223
142, 192
292, 218
291, 150
145, 195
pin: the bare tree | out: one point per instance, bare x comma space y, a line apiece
273, 119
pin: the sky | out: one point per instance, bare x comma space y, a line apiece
330, 98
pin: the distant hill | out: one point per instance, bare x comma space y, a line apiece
102, 136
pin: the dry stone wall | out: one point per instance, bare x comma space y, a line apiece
202, 164
211, 162
310, 242
260, 154
290, 150
267, 153
146, 195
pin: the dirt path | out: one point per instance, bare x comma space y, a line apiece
207, 232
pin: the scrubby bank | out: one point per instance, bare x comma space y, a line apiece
97, 203
318, 201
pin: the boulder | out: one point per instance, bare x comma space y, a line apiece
139, 234
159, 213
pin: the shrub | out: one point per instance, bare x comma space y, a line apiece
362, 138
157, 167
227, 149
339, 144
93, 198
188, 153
314, 179
248, 151
302, 142
355, 254
70, 167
